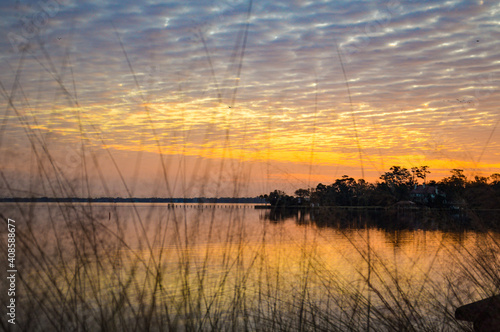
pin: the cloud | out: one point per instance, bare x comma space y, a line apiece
423, 77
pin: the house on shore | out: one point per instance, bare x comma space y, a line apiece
423, 194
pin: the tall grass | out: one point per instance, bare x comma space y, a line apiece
189, 268
89, 267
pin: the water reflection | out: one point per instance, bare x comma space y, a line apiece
226, 268
390, 219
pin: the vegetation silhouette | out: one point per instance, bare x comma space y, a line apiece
398, 185
89, 267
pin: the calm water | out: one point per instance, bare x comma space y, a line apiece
242, 268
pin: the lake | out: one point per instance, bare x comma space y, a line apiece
232, 267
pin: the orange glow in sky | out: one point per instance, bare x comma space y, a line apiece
222, 99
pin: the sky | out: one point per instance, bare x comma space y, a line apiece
238, 98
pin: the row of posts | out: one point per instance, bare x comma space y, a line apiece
211, 206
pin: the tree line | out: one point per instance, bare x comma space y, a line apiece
399, 184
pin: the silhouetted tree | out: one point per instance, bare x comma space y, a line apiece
454, 186
481, 193
304, 196
399, 181
457, 178
495, 178
420, 172
478, 194
278, 198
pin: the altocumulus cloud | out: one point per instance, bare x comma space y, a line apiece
423, 78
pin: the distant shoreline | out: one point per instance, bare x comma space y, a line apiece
201, 200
